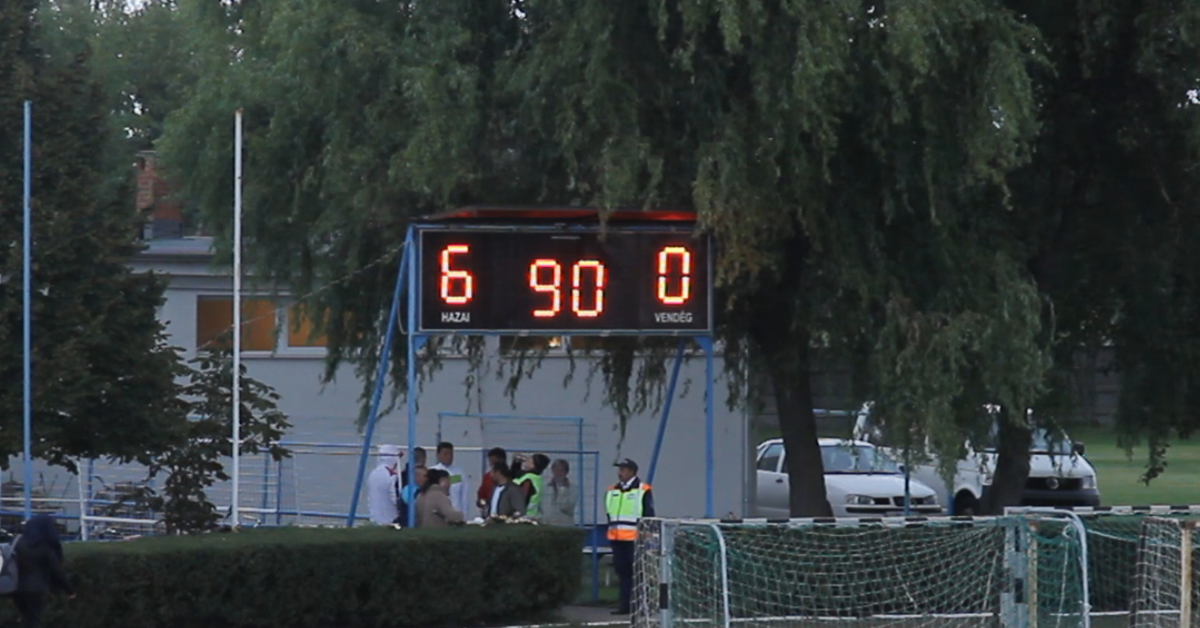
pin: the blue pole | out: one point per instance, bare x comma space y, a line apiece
582, 474
596, 532
266, 483
706, 343
279, 492
27, 316
380, 380
91, 488
666, 413
415, 342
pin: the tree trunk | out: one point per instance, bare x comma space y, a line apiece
1012, 468
793, 396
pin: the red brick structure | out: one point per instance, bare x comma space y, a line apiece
157, 201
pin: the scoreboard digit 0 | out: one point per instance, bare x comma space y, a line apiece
525, 281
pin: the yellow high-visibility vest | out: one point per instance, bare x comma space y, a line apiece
624, 510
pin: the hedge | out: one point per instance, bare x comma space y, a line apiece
299, 578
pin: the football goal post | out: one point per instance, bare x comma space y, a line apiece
1165, 591
1132, 553
1005, 572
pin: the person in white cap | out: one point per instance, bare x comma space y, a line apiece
383, 486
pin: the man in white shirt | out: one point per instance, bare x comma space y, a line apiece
383, 486
458, 480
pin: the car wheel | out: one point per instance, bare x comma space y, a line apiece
965, 505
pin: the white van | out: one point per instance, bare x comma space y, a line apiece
1059, 474
860, 481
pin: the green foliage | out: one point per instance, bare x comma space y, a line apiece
103, 374
850, 163
960, 195
298, 578
1109, 202
195, 462
143, 61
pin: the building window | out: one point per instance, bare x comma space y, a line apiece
214, 323
301, 331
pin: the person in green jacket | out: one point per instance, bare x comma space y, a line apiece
531, 483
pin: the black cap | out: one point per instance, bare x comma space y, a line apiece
627, 463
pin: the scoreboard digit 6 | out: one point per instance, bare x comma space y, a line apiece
564, 281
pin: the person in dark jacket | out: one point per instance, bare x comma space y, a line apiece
39, 569
507, 500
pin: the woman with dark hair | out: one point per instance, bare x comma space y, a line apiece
39, 569
530, 482
434, 508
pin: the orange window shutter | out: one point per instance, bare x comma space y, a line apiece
301, 329
214, 322
258, 325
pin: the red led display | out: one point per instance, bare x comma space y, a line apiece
457, 286
539, 283
679, 293
569, 281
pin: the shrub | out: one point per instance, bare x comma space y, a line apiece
297, 578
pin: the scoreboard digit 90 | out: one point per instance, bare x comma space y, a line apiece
564, 281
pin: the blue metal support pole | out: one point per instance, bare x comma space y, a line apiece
380, 380
266, 483
27, 315
706, 344
595, 534
415, 342
91, 488
279, 493
666, 413
582, 475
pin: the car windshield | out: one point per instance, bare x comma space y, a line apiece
1044, 442
849, 458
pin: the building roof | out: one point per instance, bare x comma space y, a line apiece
189, 247
568, 214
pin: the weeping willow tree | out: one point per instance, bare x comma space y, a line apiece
871, 172
1111, 208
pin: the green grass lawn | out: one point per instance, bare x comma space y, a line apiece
1119, 475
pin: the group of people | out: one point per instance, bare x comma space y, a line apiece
439, 494
509, 489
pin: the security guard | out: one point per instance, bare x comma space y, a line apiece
627, 501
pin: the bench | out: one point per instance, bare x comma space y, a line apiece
597, 548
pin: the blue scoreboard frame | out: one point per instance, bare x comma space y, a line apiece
567, 263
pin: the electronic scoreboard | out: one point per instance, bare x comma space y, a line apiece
644, 280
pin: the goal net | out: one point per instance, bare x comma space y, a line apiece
1117, 549
1165, 591
1007, 572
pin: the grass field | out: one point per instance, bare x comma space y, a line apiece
1119, 475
